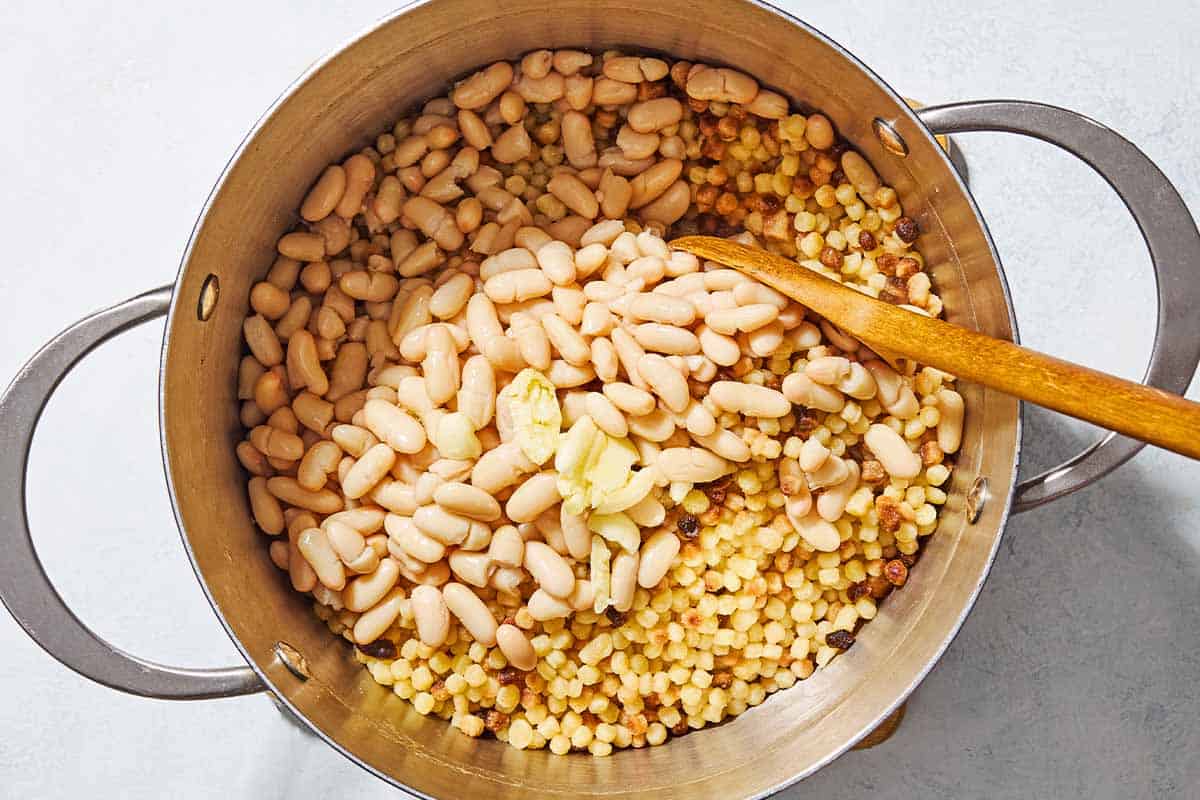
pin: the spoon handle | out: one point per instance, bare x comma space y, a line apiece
1143, 412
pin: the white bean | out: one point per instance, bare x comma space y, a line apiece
655, 558
950, 425
516, 647
431, 615
549, 569
471, 612
893, 452
748, 399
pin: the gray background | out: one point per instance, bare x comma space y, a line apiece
1076, 674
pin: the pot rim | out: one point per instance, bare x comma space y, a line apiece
315, 67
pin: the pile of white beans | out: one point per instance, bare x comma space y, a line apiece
705, 491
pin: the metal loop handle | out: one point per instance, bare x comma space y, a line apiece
25, 588
1170, 235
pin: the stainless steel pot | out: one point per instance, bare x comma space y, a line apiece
336, 106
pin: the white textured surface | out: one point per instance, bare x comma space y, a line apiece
1077, 673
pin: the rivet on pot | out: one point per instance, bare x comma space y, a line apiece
210, 290
977, 498
290, 657
889, 137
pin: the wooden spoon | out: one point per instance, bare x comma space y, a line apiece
1142, 412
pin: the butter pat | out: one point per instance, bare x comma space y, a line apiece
532, 407
595, 471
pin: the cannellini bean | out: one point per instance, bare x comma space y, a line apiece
500, 468
720, 348
440, 365
741, 318
440, 524
483, 87
800, 389
532, 497
507, 548
858, 382
395, 496
813, 454
820, 534
368, 471
276, 443
471, 612
568, 376
748, 399
375, 622
544, 606
279, 554
691, 465
860, 174
558, 262
604, 359
832, 472
425, 486
637, 145
768, 105
606, 415
574, 194
268, 514
397, 429
404, 533
654, 307
516, 647
353, 439
652, 183
262, 341
434, 221
366, 591
532, 339
893, 452
832, 502
573, 348
314, 546
576, 536
819, 132
666, 339
431, 616
699, 421
624, 571
549, 569
302, 246
609, 92
657, 426
597, 320
726, 444
451, 297
547, 525
828, 370
323, 197
317, 465
517, 286
473, 568
721, 84
654, 115
510, 260
578, 144
467, 501
950, 424
664, 380
291, 492
655, 558
349, 371
629, 399
545, 89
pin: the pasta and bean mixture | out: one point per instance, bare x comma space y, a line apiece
557, 482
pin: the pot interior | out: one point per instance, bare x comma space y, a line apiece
339, 106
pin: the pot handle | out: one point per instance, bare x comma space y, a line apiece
1166, 226
25, 588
